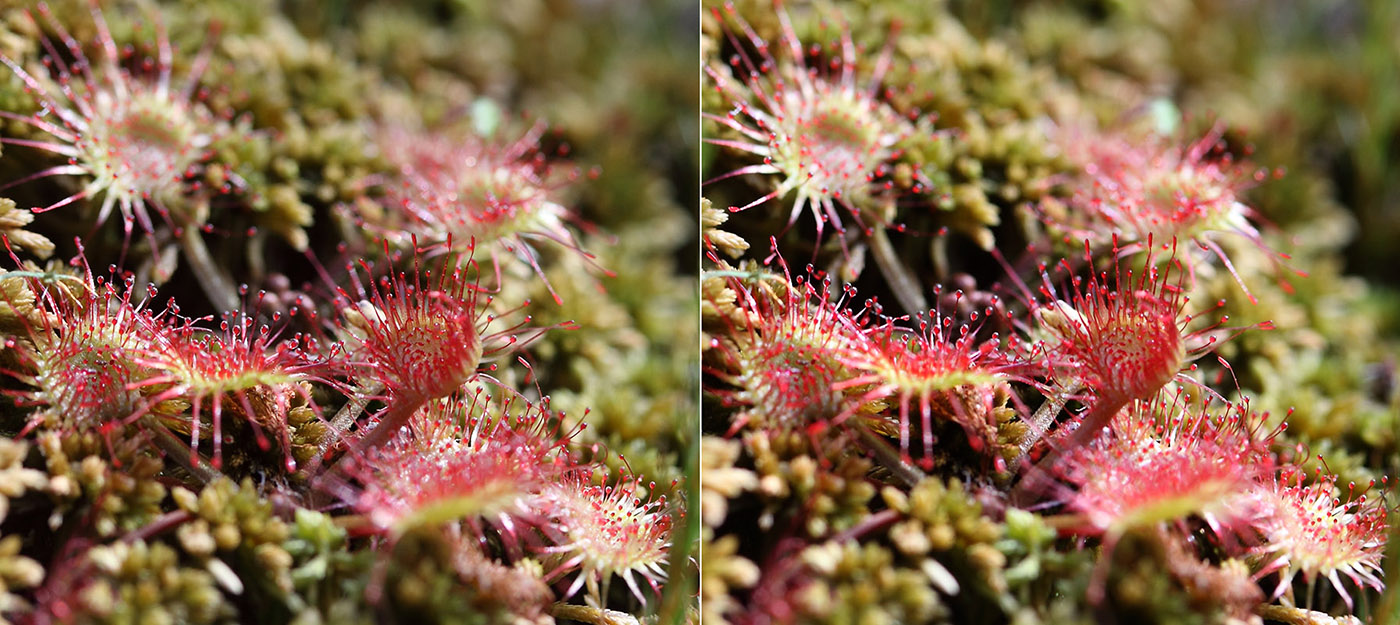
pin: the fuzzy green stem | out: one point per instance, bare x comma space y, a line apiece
1098, 578
1091, 424
217, 285
348, 414
1043, 417
676, 594
906, 288
1073, 523
257, 257
39, 275
159, 525
1294, 615
488, 499
587, 614
938, 251
871, 523
889, 458
734, 273
1094, 420
1388, 610
178, 449
399, 411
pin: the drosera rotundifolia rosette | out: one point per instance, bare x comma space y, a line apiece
295, 367
1050, 403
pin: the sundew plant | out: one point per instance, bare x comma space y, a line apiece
1038, 314
346, 313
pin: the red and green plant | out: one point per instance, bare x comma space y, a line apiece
1105, 408
351, 423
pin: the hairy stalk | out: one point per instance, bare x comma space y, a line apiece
1043, 417
398, 413
256, 254
1295, 615
45, 276
889, 458
901, 281
348, 414
587, 614
1389, 605
212, 278
180, 450
160, 525
734, 273
1091, 424
865, 526
675, 598
938, 251
1066, 523
1094, 420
